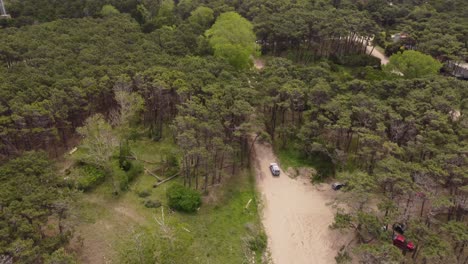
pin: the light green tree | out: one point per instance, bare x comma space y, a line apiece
109, 10
413, 64
99, 140
100, 143
232, 38
202, 16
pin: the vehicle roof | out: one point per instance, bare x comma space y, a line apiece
400, 238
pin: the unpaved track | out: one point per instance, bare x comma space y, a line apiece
295, 215
376, 53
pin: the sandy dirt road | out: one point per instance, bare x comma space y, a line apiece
377, 54
295, 215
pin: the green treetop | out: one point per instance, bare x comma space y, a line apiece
413, 64
232, 38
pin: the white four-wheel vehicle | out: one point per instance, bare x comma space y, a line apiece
274, 168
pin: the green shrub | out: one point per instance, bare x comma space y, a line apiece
154, 133
182, 198
89, 177
109, 10
59, 256
343, 257
125, 177
122, 178
125, 165
372, 74
258, 243
135, 169
124, 152
152, 203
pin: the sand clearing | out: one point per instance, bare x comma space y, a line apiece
259, 64
295, 215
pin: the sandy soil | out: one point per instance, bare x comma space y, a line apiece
376, 53
296, 215
259, 64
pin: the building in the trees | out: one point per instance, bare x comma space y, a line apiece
458, 69
399, 37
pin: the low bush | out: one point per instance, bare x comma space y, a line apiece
125, 165
152, 203
258, 243
135, 169
121, 178
89, 177
125, 177
182, 198
124, 153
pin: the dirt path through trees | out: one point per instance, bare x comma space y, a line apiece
295, 215
377, 54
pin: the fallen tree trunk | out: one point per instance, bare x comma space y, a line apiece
165, 180
152, 174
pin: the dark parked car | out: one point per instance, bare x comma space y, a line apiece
399, 227
337, 185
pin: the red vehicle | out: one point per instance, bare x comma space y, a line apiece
401, 242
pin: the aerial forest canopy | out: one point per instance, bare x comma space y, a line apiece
102, 75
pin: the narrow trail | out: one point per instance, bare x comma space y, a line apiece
295, 215
377, 54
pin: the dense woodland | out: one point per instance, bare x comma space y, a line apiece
104, 73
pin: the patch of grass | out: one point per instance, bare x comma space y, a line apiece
219, 229
144, 193
216, 233
152, 151
291, 157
